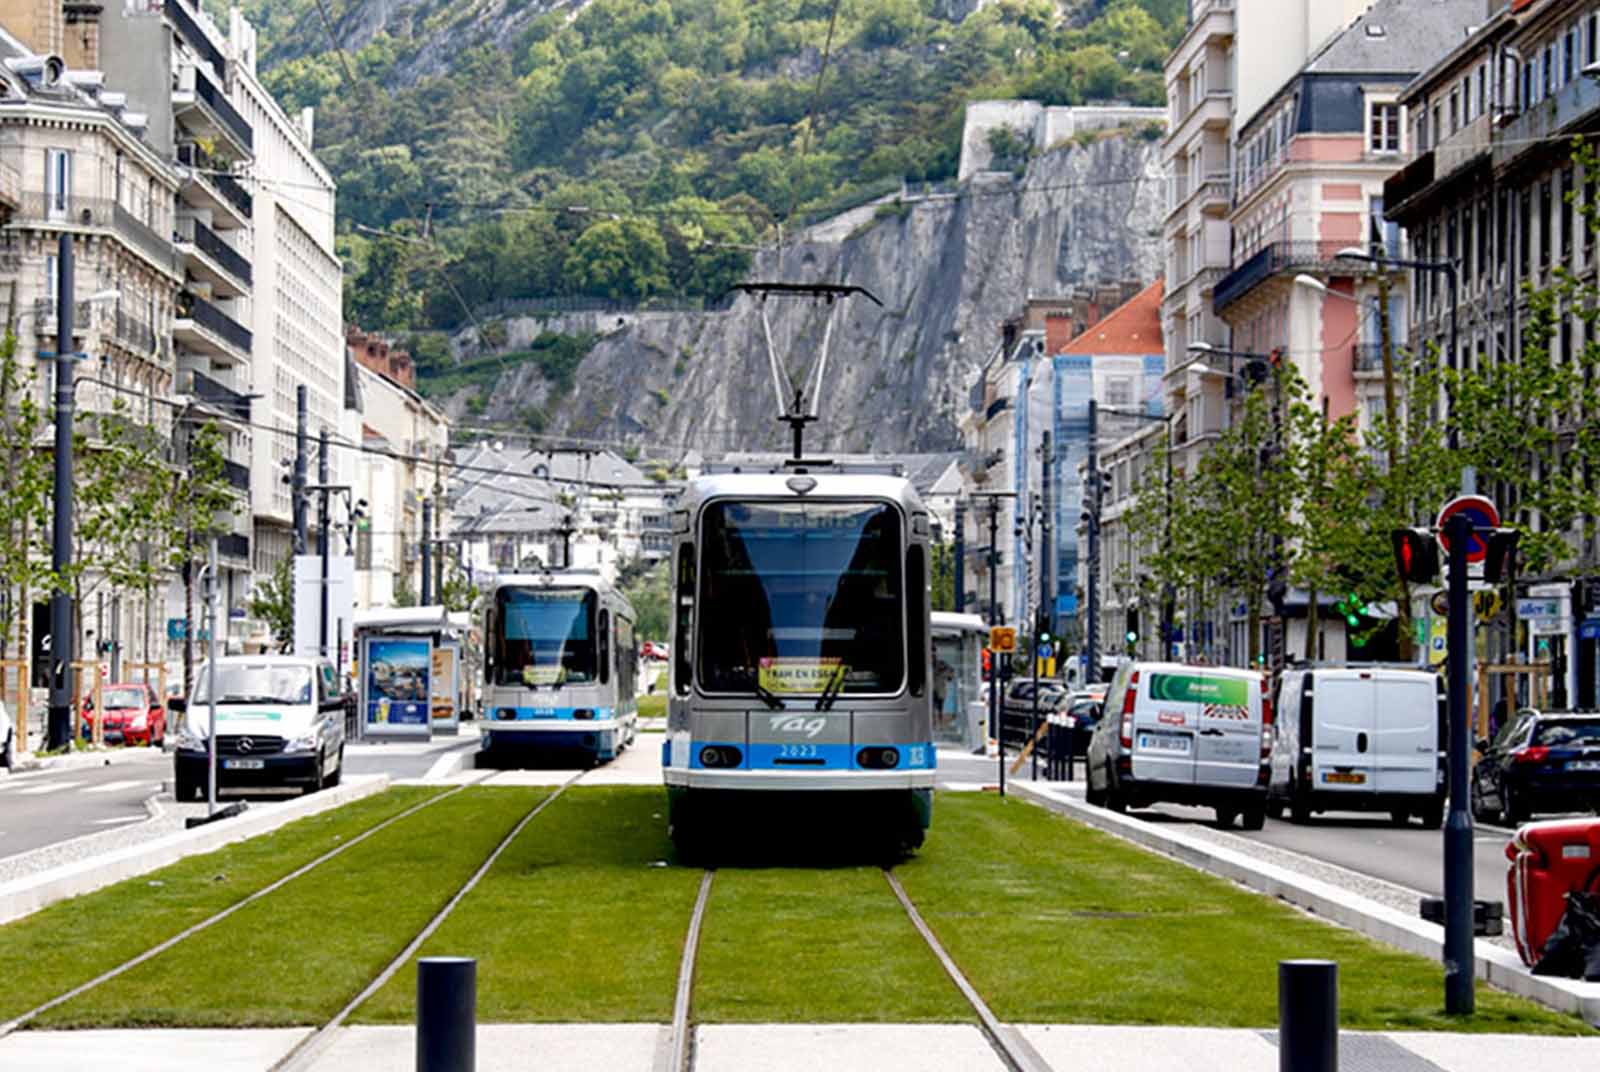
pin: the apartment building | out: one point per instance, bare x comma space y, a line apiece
297, 315
1494, 192
170, 60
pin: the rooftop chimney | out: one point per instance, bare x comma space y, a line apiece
80, 45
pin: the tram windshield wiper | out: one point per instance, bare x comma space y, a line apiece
762, 693
831, 693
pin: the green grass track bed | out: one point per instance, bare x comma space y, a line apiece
829, 945
297, 955
577, 921
1056, 923
70, 942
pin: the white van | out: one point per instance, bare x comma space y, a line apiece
280, 722
1186, 734
1354, 738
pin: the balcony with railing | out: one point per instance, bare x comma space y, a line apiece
187, 23
203, 327
73, 213
1366, 358
211, 260
1283, 257
134, 333
203, 108
220, 396
234, 546
237, 476
209, 186
1569, 110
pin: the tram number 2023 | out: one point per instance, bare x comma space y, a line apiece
799, 751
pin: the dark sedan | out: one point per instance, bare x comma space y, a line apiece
1538, 762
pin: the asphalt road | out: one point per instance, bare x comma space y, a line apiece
39, 808
46, 807
1365, 843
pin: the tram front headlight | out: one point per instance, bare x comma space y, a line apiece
506, 714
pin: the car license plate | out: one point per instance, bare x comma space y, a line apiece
1584, 764
243, 764
1164, 742
1343, 778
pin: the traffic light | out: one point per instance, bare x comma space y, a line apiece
1416, 555
1133, 626
1502, 551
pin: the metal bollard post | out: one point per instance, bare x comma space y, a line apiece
447, 1000
1308, 1016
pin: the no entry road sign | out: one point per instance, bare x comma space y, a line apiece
1480, 512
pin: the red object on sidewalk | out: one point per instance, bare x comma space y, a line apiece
1548, 861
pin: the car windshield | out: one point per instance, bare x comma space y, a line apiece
545, 636
807, 596
1569, 734
1086, 709
254, 683
122, 698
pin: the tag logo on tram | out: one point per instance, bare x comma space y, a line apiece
798, 724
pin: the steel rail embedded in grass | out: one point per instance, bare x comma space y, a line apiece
312, 1046
680, 1048
1013, 1049
82, 988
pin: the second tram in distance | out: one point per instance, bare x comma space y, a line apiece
801, 653
560, 666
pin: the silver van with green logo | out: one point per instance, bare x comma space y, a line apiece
1186, 734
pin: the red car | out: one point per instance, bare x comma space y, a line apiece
655, 649
134, 714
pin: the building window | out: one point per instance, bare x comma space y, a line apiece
1483, 89
1119, 391
1528, 83
1547, 70
1525, 225
1466, 245
1569, 54
1567, 210
1544, 223
1589, 52
1455, 109
1483, 237
57, 183
1383, 127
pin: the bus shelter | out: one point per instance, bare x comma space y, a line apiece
960, 709
408, 671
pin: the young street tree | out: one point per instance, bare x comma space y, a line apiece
25, 479
201, 502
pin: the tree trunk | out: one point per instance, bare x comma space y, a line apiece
1253, 620
188, 628
1313, 623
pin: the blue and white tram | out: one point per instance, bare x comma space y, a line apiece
801, 655
560, 665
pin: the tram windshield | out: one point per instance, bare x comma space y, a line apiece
544, 636
801, 598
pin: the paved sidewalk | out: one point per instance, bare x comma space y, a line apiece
787, 1048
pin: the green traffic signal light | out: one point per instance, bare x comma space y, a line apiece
1352, 621
1133, 637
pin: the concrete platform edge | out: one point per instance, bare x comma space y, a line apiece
1495, 965
28, 895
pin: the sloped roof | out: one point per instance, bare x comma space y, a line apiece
1132, 328
1397, 36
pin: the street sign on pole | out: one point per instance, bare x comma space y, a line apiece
1480, 513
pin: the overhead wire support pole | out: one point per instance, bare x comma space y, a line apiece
995, 726
59, 726
1459, 961
322, 540
298, 481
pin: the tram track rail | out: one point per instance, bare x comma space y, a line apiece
679, 1052
23, 1019
309, 1049
1014, 1050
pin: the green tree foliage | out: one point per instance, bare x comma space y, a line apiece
619, 259
655, 110
273, 602
25, 481
649, 589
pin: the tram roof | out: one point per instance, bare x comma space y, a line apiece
784, 484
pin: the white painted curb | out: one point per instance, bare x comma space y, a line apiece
27, 895
1495, 964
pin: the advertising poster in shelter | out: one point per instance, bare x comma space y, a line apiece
443, 687
396, 674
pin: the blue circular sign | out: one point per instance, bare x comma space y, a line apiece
1480, 512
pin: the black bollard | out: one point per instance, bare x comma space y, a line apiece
447, 1001
1308, 1016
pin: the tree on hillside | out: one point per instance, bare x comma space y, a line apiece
623, 258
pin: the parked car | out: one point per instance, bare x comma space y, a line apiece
133, 714
1359, 739
1539, 762
280, 722
1017, 707
9, 743
1186, 734
656, 650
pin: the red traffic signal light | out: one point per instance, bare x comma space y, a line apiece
1416, 555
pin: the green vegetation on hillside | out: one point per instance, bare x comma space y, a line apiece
645, 146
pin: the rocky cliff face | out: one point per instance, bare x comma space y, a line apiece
949, 270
